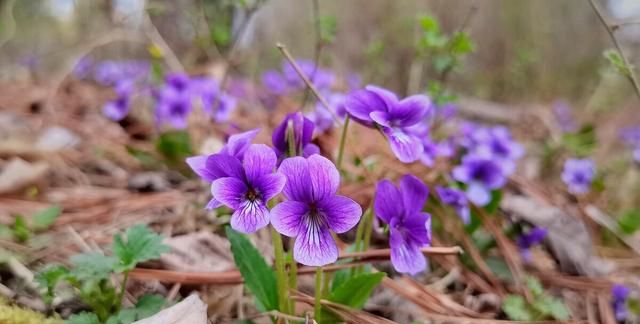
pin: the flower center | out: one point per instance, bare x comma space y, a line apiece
252, 195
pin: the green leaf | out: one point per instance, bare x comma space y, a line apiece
146, 306
92, 266
175, 146
499, 268
551, 306
45, 218
328, 28
355, 291
429, 24
617, 62
581, 143
534, 286
461, 43
146, 159
83, 318
516, 308
20, 229
140, 244
633, 305
48, 278
629, 221
494, 204
220, 33
259, 278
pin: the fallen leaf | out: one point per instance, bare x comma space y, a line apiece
19, 174
189, 311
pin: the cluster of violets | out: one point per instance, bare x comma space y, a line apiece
175, 98
180, 94
631, 138
578, 174
246, 176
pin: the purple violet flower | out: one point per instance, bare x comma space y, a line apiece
410, 228
481, 175
246, 186
207, 170
377, 107
631, 137
620, 294
118, 108
578, 175
312, 209
456, 199
173, 107
301, 129
527, 240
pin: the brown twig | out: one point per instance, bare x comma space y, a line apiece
610, 29
325, 103
234, 276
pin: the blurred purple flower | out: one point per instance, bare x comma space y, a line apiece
631, 137
83, 68
110, 72
620, 294
312, 209
481, 175
410, 228
456, 199
173, 107
527, 240
322, 79
447, 111
275, 82
375, 106
178, 81
246, 186
354, 81
578, 175
118, 108
298, 127
562, 113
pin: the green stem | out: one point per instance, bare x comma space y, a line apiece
318, 292
367, 230
123, 288
366, 239
343, 139
293, 275
281, 276
291, 138
358, 242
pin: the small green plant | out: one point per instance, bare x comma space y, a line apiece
445, 53
21, 230
91, 275
542, 307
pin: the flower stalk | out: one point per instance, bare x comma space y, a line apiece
343, 139
317, 307
281, 276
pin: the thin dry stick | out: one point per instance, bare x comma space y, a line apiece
387, 252
234, 276
155, 36
632, 75
304, 78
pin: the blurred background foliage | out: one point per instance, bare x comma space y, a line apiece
523, 51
